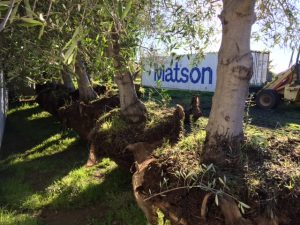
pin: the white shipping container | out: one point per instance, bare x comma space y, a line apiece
185, 72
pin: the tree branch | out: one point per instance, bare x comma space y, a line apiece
3, 23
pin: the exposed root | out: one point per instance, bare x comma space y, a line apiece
264, 220
204, 206
150, 208
92, 159
137, 180
194, 110
232, 213
142, 150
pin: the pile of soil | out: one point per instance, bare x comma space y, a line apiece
113, 135
266, 179
52, 96
82, 117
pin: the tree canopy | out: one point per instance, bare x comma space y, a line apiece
39, 38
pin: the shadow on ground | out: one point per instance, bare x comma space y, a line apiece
282, 116
43, 174
22, 133
110, 202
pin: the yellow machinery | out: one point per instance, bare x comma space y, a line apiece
285, 86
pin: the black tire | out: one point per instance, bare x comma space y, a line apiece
267, 99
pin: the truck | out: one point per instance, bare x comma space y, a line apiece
286, 86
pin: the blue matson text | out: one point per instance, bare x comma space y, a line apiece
183, 75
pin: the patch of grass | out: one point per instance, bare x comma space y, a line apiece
123, 211
13, 218
39, 115
49, 174
77, 189
178, 97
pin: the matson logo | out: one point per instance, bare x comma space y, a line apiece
177, 74
186, 72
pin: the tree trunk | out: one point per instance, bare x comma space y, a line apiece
131, 107
86, 91
225, 125
67, 79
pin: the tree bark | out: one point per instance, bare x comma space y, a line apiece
225, 125
67, 79
86, 91
131, 107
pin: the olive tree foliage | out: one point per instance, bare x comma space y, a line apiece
277, 23
193, 25
32, 41
40, 39
173, 26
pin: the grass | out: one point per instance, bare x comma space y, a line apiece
43, 178
43, 173
12, 218
268, 173
173, 97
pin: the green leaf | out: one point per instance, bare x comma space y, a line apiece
120, 10
221, 181
4, 5
41, 31
29, 11
217, 199
70, 52
127, 9
70, 59
209, 167
14, 13
74, 38
31, 22
245, 205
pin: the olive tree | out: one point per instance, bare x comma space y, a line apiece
277, 24
225, 126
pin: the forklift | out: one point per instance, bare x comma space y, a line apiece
286, 86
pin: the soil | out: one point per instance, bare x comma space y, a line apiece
265, 179
82, 117
260, 182
52, 96
82, 216
164, 125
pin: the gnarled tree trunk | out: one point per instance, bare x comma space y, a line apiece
67, 79
225, 126
131, 107
86, 91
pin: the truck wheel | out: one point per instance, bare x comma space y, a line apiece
267, 99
